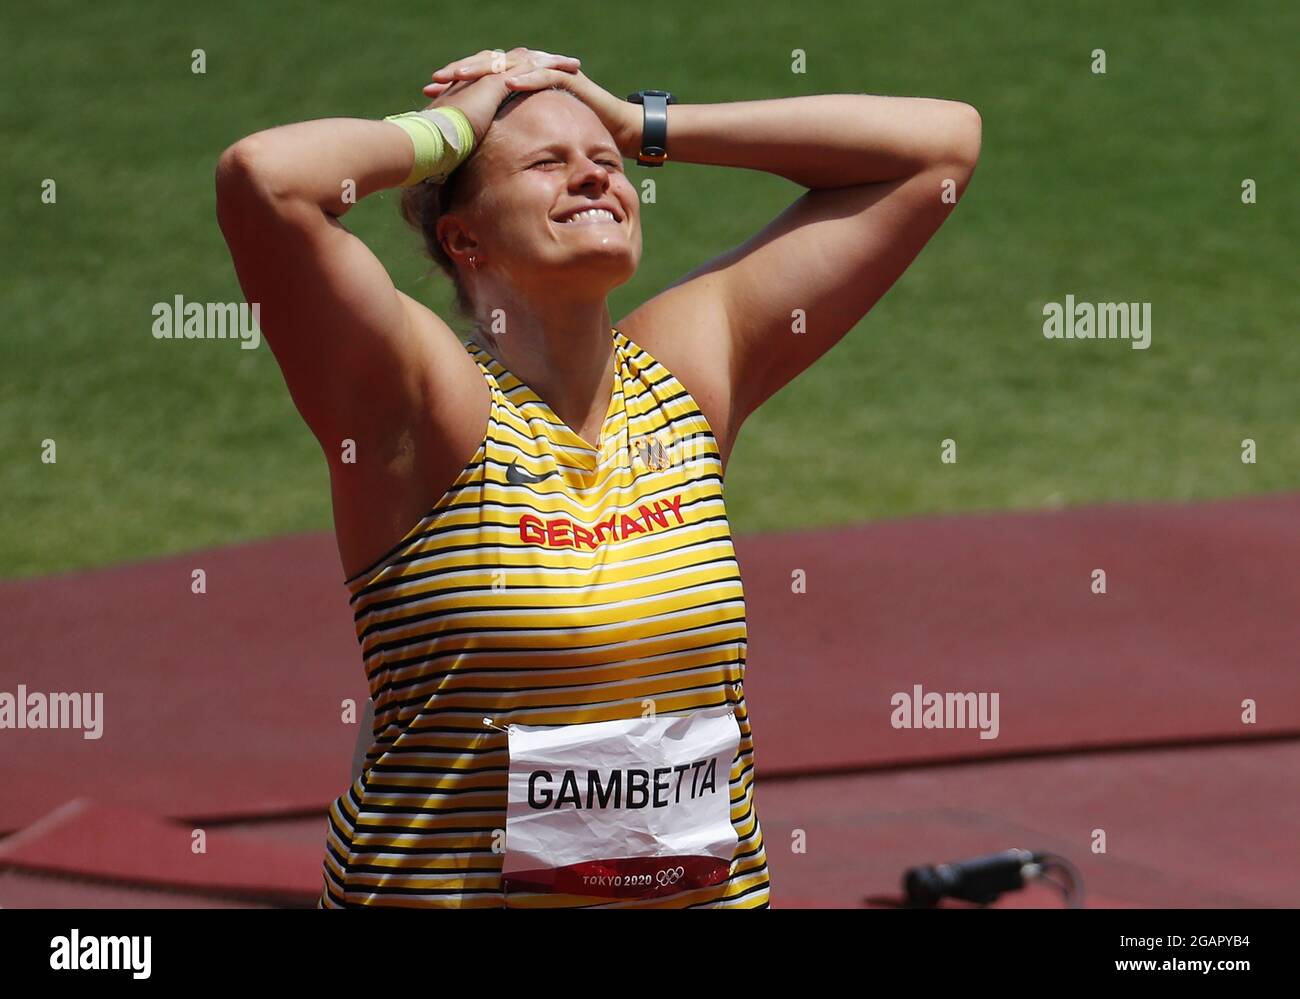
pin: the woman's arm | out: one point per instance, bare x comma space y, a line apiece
827, 140
309, 160
353, 350
883, 174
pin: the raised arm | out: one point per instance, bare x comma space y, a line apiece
883, 174
356, 354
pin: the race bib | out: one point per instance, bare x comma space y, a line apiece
634, 808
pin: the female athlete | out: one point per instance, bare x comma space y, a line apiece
531, 522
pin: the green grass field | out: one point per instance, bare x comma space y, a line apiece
1117, 187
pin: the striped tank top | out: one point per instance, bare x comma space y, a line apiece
552, 584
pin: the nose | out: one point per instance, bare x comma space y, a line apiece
588, 173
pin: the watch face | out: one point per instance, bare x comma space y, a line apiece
640, 95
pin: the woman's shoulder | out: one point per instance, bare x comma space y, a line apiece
688, 342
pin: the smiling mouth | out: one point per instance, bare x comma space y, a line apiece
592, 216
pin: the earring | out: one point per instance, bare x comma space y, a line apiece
473, 262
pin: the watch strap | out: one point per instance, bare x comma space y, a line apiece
654, 132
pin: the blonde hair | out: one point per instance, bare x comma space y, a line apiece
423, 205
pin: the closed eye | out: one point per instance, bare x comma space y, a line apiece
609, 163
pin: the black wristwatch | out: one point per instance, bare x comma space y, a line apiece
654, 130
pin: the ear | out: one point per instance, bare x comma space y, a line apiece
456, 241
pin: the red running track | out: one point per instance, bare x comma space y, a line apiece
1120, 712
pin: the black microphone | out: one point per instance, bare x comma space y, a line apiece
980, 880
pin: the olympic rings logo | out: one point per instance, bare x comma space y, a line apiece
670, 876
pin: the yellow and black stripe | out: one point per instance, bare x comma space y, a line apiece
552, 584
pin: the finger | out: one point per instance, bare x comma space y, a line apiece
559, 61
460, 71
438, 91
535, 78
544, 60
539, 60
484, 63
468, 68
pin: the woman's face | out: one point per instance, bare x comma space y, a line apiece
546, 157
